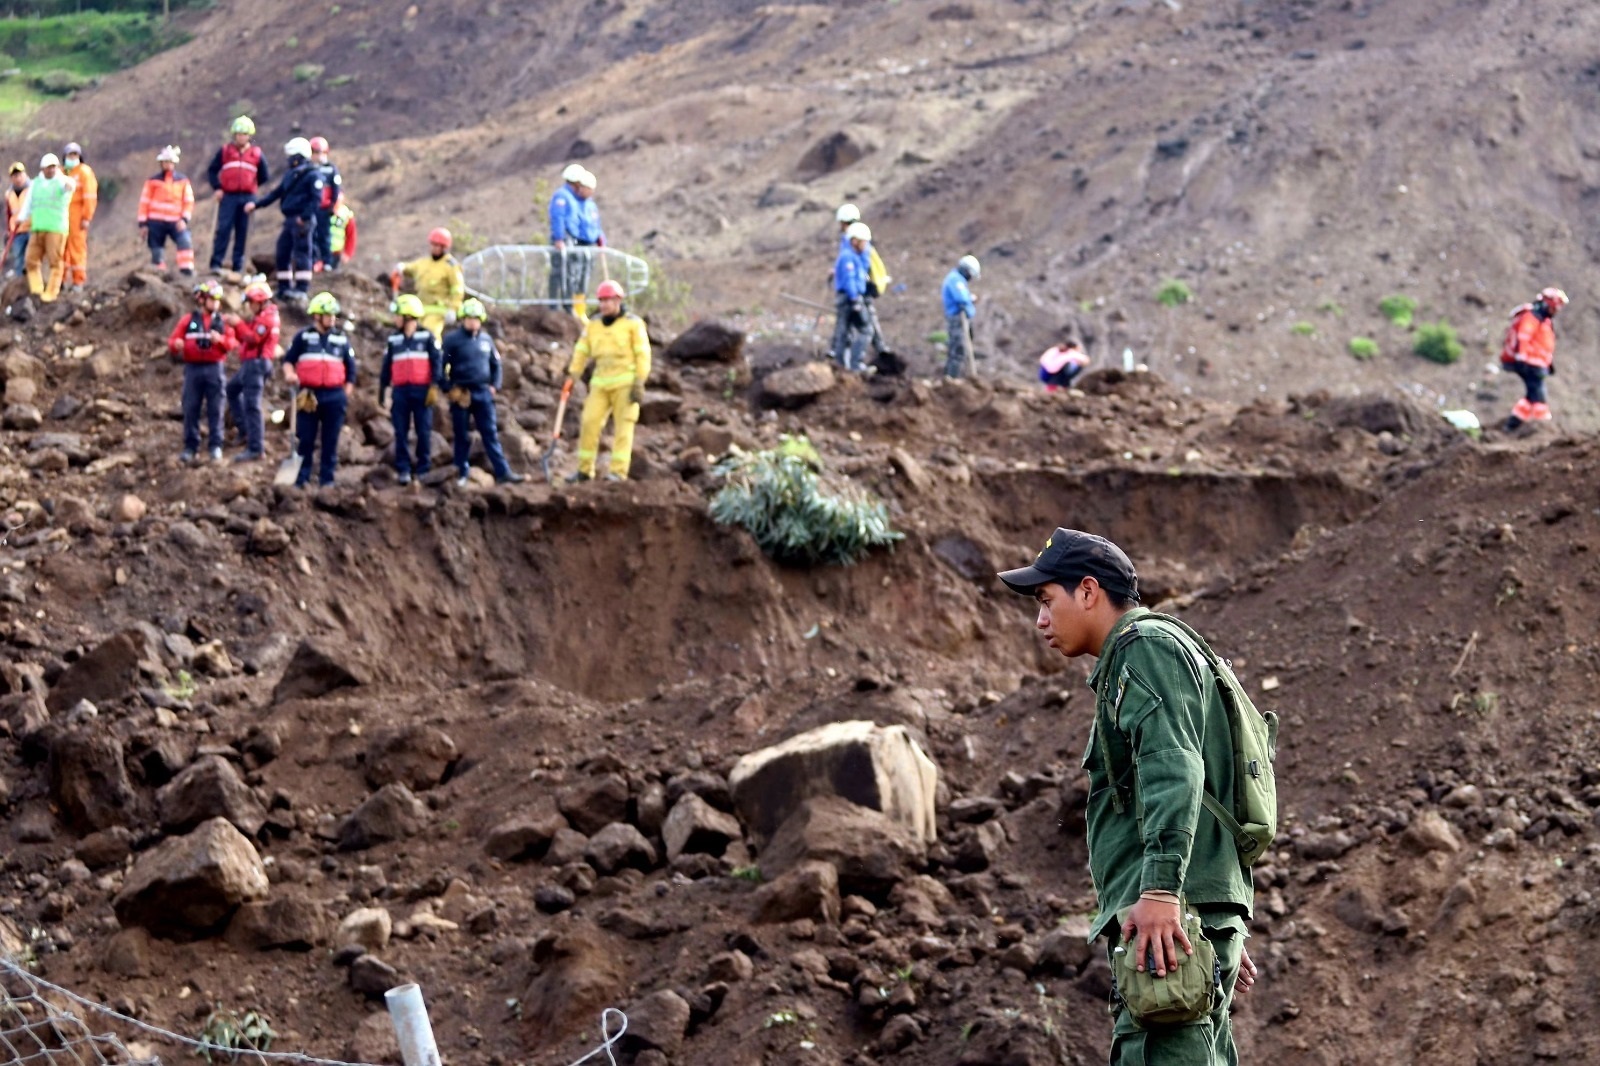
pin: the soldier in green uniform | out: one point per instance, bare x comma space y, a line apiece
1159, 739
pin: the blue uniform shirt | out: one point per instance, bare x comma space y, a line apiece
957, 296
850, 274
574, 219
470, 359
300, 189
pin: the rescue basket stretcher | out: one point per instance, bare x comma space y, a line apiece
519, 275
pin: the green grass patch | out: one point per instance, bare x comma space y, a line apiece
1363, 348
62, 53
1399, 309
1173, 292
1331, 307
308, 71
1437, 342
1303, 329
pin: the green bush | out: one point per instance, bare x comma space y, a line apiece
1398, 309
779, 496
1363, 347
95, 42
308, 71
1173, 293
1437, 343
1303, 329
59, 82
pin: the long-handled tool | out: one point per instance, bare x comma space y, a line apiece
555, 437
289, 470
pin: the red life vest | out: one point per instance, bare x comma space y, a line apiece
258, 337
410, 358
198, 346
239, 168
321, 363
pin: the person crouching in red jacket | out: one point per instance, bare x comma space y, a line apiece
202, 340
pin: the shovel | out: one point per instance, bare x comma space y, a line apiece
555, 437
289, 470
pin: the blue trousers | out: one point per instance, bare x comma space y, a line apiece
321, 238
156, 236
244, 401
232, 221
293, 257
19, 254
202, 386
408, 408
481, 413
325, 422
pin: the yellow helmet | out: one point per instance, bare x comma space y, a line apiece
242, 124
408, 306
472, 307
323, 303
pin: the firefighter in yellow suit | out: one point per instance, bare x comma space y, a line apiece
620, 347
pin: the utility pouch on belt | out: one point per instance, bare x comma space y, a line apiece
432, 397
1184, 996
461, 397
305, 400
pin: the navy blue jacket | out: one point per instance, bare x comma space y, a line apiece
300, 189
470, 359
332, 183
400, 346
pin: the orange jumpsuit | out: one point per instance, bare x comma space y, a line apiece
1530, 353
84, 201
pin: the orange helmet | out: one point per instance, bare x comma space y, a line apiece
1553, 299
319, 144
610, 290
440, 235
258, 292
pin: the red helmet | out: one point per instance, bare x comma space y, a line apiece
258, 292
319, 144
440, 235
1553, 299
610, 290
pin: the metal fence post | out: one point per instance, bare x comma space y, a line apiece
411, 1025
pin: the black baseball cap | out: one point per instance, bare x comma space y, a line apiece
1068, 557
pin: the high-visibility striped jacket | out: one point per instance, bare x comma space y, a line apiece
194, 338
48, 200
1530, 339
234, 169
620, 350
342, 232
258, 336
413, 360
17, 209
438, 283
322, 360
85, 194
166, 198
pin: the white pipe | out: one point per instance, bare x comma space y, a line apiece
411, 1025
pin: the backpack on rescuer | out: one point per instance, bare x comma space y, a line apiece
1511, 347
1253, 822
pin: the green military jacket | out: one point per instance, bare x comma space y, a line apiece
1160, 735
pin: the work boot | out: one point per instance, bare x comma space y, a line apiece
615, 477
573, 479
216, 455
1513, 423
247, 457
404, 478
511, 478
463, 481
186, 456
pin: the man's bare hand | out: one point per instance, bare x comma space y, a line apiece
1154, 926
1247, 974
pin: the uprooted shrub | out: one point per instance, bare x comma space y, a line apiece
797, 514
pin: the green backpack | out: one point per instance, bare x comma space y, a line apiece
1253, 822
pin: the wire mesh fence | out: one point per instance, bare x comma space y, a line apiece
524, 275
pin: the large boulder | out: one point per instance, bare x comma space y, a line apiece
595, 802
391, 813
695, 826
870, 851
417, 756
285, 923
209, 788
89, 780
110, 671
318, 667
707, 341
795, 386
188, 887
878, 767
658, 1021
526, 834
810, 890
618, 846
577, 973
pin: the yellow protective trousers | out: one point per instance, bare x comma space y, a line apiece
610, 402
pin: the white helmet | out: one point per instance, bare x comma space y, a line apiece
169, 154
848, 213
971, 263
587, 180
298, 146
858, 231
49, 160
575, 174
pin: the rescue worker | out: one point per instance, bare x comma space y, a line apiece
437, 281
619, 345
1060, 366
321, 364
202, 340
851, 329
256, 332
237, 172
877, 284
1159, 721
341, 236
574, 228
332, 194
17, 224
960, 308
471, 375
1530, 353
48, 211
165, 207
85, 199
300, 190
412, 362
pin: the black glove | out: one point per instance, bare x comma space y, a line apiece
383, 399
872, 290
1552, 370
